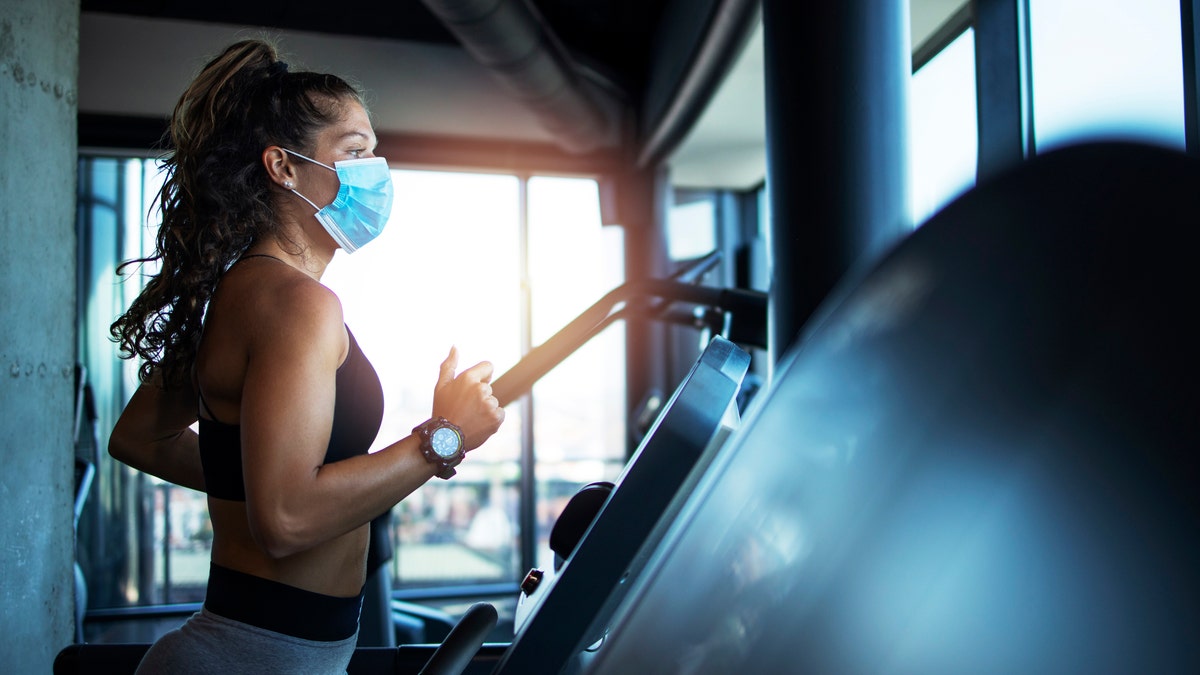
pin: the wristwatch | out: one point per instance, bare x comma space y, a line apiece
442, 444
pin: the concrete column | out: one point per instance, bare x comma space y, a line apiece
39, 63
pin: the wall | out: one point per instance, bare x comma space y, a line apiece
39, 47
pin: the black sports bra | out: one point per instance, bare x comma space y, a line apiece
357, 412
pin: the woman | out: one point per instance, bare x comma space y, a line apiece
271, 172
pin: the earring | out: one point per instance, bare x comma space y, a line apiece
288, 185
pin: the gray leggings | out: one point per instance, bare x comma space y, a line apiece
210, 643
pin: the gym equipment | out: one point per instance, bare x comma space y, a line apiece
980, 456
563, 608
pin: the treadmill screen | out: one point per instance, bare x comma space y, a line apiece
671, 456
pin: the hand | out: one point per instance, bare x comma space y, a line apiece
467, 401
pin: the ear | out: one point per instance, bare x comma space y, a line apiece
279, 167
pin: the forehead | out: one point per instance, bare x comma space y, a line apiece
352, 124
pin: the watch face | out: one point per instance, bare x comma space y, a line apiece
445, 442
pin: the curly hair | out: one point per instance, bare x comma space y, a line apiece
216, 200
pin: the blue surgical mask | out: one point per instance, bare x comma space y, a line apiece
363, 203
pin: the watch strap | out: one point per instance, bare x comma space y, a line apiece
424, 433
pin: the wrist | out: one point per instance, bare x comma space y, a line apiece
442, 445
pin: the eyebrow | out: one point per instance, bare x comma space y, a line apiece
357, 134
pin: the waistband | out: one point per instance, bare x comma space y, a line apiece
279, 607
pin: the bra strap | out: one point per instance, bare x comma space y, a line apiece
258, 255
204, 407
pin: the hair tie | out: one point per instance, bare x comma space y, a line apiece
277, 68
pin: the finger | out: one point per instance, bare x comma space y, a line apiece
446, 372
481, 371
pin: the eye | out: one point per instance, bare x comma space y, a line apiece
357, 153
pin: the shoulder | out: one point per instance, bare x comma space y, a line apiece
298, 300
283, 313
301, 314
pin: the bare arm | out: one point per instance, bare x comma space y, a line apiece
294, 501
153, 435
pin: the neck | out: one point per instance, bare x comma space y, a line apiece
301, 240
308, 259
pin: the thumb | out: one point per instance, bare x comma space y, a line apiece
448, 368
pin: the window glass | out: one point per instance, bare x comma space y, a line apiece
1106, 68
140, 541
691, 230
944, 146
443, 272
579, 406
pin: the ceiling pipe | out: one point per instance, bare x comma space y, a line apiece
512, 40
725, 35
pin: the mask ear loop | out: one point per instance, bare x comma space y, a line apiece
290, 152
316, 209
288, 185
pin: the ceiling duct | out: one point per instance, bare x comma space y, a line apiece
511, 39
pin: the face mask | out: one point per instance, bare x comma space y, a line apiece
363, 203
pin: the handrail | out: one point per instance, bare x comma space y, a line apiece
749, 306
